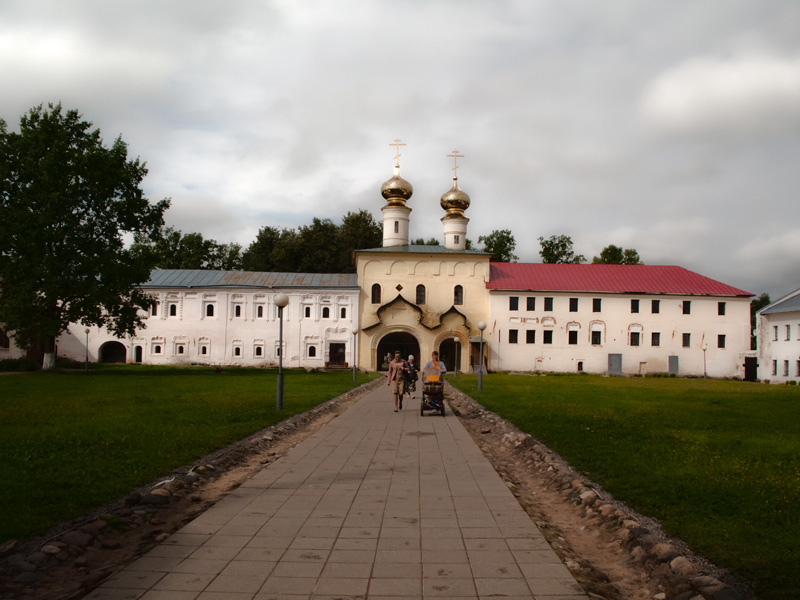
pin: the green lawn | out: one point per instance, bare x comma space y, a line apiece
71, 441
717, 462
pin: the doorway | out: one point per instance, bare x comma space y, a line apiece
112, 352
336, 355
405, 342
451, 354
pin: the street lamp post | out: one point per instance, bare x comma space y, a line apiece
455, 351
86, 362
481, 327
281, 300
354, 355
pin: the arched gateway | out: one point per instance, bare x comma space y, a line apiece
400, 340
112, 352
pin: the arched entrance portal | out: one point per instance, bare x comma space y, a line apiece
451, 353
405, 342
112, 352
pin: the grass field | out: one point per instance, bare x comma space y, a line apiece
717, 462
71, 441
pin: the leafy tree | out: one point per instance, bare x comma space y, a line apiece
501, 244
359, 230
422, 242
176, 250
756, 305
66, 203
558, 249
614, 255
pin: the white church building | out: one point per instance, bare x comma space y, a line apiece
616, 319
778, 333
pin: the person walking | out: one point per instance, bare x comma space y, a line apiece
395, 379
435, 362
412, 375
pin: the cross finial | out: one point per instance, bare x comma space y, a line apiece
455, 156
396, 143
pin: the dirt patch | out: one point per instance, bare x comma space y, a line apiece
613, 552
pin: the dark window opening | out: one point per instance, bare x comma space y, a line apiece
259, 351
687, 307
307, 312
343, 313
512, 336
237, 310
597, 338
326, 312
597, 304
655, 306
531, 303
720, 341
530, 336
634, 338
573, 305
173, 310
513, 303
420, 294
397, 226
687, 340
312, 351
655, 338
154, 310
180, 349
572, 337
203, 349
547, 336
634, 306
548, 304
237, 351
458, 295
376, 293
259, 312
721, 308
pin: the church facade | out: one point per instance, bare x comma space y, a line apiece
616, 319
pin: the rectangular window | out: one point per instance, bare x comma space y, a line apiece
655, 306
512, 336
786, 368
655, 338
687, 340
513, 303
635, 338
687, 307
531, 303
788, 332
774, 367
775, 331
397, 226
720, 341
548, 304
573, 305
596, 304
547, 336
154, 310
634, 306
797, 373
573, 337
597, 338
721, 308
530, 336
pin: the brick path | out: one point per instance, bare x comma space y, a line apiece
376, 504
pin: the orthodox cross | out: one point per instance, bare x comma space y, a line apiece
397, 145
455, 156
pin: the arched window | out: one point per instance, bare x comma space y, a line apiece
420, 294
156, 349
258, 350
308, 312
180, 349
326, 313
237, 310
312, 351
458, 295
259, 312
203, 349
343, 313
376, 293
237, 351
209, 310
173, 310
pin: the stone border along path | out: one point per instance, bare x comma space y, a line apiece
376, 504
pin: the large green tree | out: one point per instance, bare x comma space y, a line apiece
558, 249
615, 255
67, 202
177, 250
501, 244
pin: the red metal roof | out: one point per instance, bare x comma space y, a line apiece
615, 279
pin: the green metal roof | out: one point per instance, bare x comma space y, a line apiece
198, 278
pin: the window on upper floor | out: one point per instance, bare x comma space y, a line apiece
397, 226
209, 310
655, 338
687, 340
655, 306
376, 293
548, 303
634, 305
687, 307
530, 303
721, 308
237, 310
458, 295
173, 310
720, 341
573, 305
343, 313
513, 335
513, 303
530, 336
456, 239
775, 331
420, 294
547, 336
597, 304
259, 312
788, 332
326, 312
307, 312
154, 310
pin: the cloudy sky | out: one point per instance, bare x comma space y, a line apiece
668, 127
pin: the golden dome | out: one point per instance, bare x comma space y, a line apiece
397, 189
455, 200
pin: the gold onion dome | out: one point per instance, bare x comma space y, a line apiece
397, 188
455, 200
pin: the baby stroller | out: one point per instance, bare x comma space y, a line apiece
432, 391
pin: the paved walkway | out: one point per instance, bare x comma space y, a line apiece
376, 504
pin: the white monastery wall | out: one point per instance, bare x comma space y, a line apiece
569, 338
779, 347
